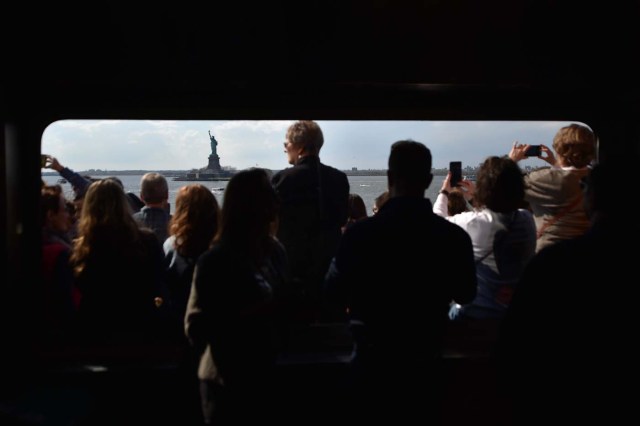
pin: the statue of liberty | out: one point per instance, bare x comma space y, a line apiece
214, 144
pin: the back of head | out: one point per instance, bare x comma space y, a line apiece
249, 209
153, 188
116, 180
306, 134
195, 220
409, 167
500, 185
356, 208
106, 222
50, 196
456, 202
576, 144
105, 205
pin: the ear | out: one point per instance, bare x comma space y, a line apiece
428, 180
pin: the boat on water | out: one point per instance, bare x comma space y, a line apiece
62, 181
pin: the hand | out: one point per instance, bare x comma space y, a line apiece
547, 155
469, 188
446, 184
517, 152
54, 164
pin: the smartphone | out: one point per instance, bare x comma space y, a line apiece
455, 167
43, 160
533, 151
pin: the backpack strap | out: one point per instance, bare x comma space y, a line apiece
562, 213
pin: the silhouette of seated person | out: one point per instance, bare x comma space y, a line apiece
566, 338
385, 273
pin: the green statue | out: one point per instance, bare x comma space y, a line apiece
214, 144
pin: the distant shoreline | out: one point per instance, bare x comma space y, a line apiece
181, 173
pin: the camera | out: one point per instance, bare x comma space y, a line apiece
533, 151
455, 167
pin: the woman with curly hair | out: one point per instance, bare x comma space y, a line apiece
192, 228
554, 193
503, 234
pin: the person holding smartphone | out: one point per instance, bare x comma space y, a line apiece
502, 233
553, 193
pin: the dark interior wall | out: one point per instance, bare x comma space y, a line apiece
527, 60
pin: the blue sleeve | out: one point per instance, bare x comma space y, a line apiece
79, 182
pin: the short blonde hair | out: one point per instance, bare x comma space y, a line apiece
306, 134
576, 144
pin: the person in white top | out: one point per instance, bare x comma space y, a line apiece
503, 234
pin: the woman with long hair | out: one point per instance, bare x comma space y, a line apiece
118, 268
192, 228
230, 316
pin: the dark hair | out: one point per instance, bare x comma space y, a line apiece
356, 208
249, 210
49, 201
456, 202
410, 162
500, 185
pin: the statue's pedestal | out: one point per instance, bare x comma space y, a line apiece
214, 163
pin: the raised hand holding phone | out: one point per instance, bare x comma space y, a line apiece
533, 151
455, 168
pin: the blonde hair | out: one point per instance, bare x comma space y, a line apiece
306, 134
576, 144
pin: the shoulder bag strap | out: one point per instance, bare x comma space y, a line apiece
557, 217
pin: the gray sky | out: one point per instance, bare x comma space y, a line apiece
183, 145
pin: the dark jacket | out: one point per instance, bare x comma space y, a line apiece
397, 272
314, 199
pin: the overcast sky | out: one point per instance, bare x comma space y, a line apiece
183, 145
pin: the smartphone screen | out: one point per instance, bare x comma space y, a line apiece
533, 151
455, 167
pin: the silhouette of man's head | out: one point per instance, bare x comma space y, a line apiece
409, 168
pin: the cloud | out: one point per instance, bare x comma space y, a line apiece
182, 145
